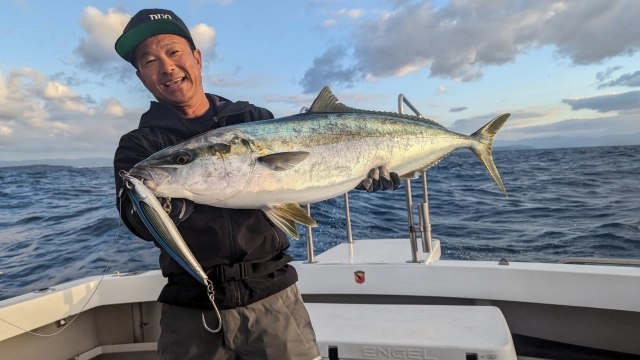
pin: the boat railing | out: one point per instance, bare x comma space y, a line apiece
603, 261
423, 208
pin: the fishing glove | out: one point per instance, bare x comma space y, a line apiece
379, 179
178, 209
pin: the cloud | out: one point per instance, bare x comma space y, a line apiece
112, 107
605, 75
328, 69
457, 108
351, 13
233, 80
460, 39
5, 130
603, 103
441, 89
221, 2
204, 36
97, 50
41, 115
629, 79
601, 126
55, 90
526, 117
297, 101
538, 122
70, 80
329, 23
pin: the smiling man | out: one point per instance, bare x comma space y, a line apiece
242, 252
263, 316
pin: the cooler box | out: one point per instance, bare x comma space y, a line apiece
421, 332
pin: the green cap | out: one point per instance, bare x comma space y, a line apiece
145, 24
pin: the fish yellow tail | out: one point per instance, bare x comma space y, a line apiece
484, 144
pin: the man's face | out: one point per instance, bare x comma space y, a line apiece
170, 70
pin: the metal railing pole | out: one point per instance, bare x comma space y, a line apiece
310, 255
423, 209
348, 218
402, 100
425, 220
415, 257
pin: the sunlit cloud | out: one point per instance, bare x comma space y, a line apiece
96, 50
204, 36
462, 38
604, 103
42, 115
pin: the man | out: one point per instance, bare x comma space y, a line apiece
263, 316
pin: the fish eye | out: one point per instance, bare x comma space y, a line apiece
182, 159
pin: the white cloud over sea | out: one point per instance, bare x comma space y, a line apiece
461, 39
44, 116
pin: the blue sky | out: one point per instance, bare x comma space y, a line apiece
567, 68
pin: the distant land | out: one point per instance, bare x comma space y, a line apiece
34, 167
553, 142
550, 142
83, 162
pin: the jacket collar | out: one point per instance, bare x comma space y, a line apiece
163, 116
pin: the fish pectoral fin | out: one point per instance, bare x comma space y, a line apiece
285, 216
284, 160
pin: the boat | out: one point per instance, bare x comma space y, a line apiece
370, 299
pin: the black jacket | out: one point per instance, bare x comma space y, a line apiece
214, 235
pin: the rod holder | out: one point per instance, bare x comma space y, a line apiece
425, 219
415, 256
310, 254
348, 218
425, 228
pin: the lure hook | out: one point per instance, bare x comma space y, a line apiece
210, 293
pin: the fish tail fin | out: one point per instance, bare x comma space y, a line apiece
484, 144
286, 216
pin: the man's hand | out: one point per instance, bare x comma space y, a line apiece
379, 179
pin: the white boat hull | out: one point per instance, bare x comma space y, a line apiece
595, 307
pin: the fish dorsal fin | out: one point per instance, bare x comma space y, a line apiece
285, 216
326, 102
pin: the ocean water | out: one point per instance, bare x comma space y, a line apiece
60, 225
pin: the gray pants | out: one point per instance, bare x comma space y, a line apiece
277, 328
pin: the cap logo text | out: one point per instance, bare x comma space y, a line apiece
160, 16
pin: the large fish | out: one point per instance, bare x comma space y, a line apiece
274, 165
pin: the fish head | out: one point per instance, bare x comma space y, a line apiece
210, 165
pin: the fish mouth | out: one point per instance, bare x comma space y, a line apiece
152, 178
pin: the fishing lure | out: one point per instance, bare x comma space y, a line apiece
166, 234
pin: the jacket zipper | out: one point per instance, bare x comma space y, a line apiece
229, 232
232, 251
